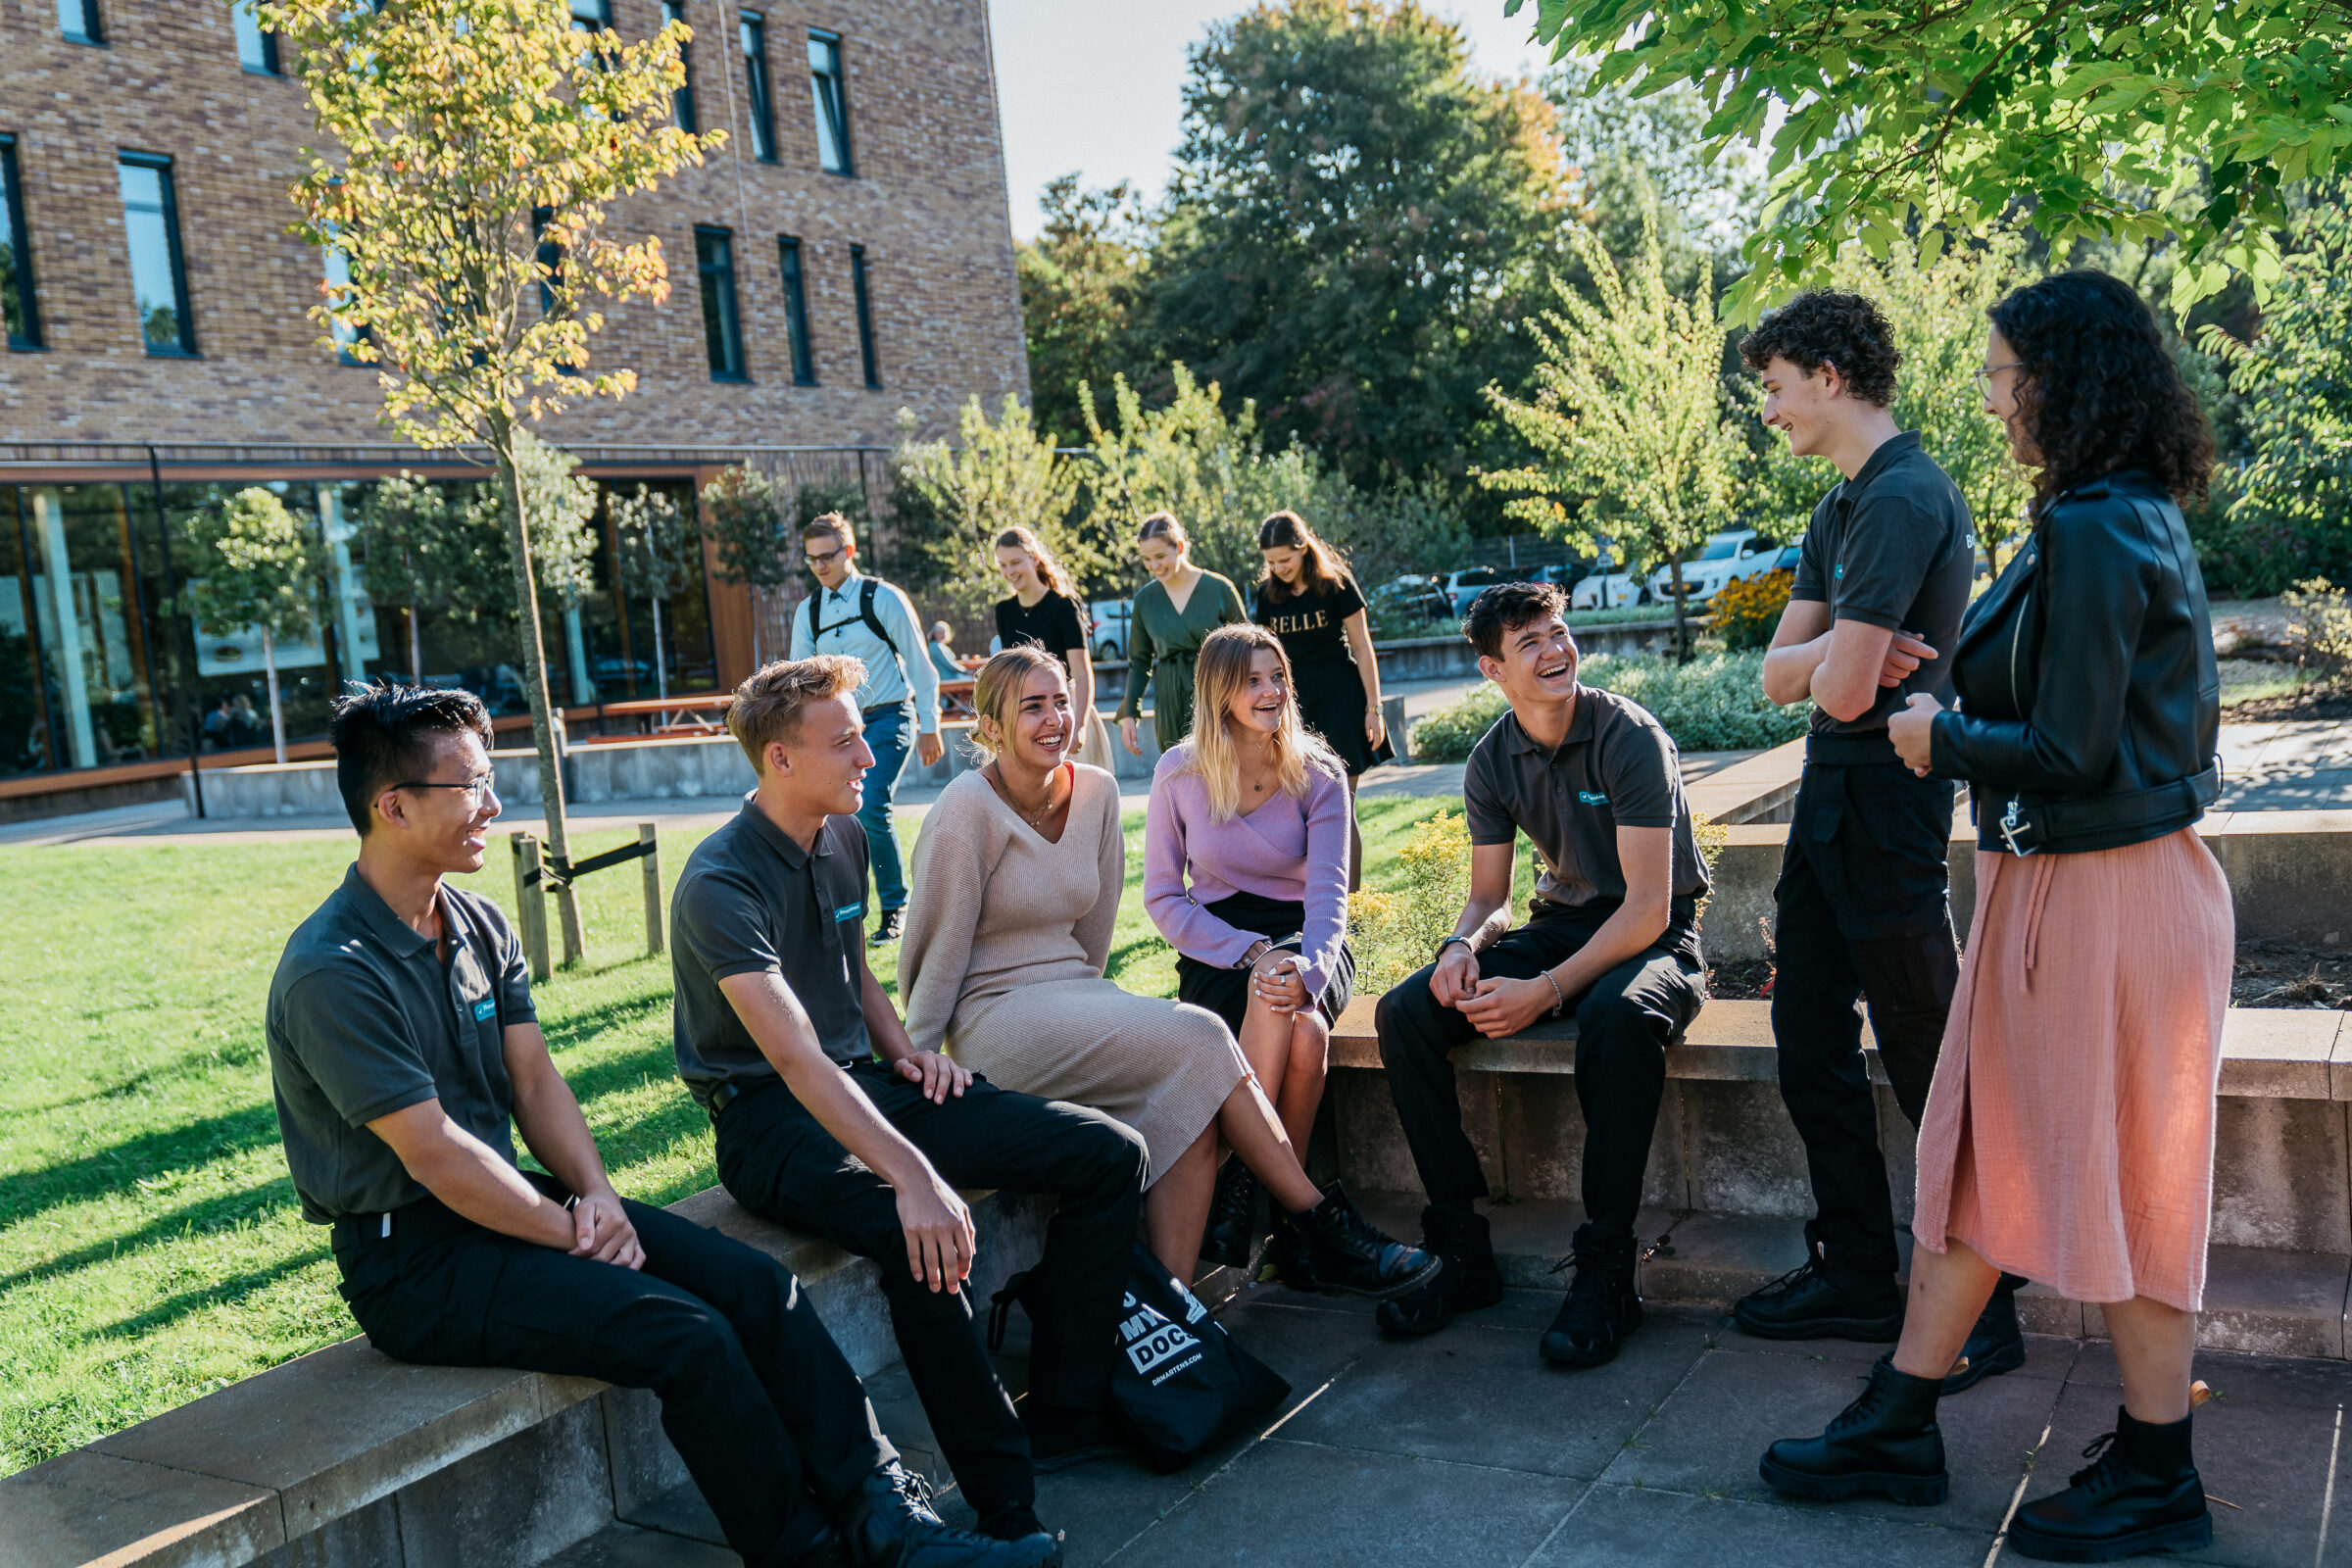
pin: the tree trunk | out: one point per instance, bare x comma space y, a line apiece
1681, 609
535, 683
660, 664
416, 651
277, 711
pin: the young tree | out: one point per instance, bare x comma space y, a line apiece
998, 476
1626, 419
561, 506
260, 575
470, 139
747, 515
412, 556
660, 555
1951, 116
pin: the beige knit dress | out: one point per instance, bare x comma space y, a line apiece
1002, 963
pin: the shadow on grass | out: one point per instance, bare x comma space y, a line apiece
111, 1171
207, 1216
172, 1308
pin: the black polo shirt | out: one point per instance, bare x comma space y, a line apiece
753, 901
1893, 546
1617, 768
365, 1017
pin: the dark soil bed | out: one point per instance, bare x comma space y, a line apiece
2270, 974
2290, 705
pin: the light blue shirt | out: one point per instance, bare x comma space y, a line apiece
889, 677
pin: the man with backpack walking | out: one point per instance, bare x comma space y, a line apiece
872, 622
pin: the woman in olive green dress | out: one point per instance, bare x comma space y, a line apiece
1172, 615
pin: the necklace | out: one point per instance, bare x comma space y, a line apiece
1033, 818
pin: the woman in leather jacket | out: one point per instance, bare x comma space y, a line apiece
2069, 1132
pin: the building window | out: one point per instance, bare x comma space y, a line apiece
347, 336
79, 20
722, 327
795, 311
591, 16
681, 102
832, 91
18, 308
755, 79
257, 46
865, 316
158, 273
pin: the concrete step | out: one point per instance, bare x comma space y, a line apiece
2264, 1302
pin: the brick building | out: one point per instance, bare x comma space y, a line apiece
847, 255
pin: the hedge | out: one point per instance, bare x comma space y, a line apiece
1715, 703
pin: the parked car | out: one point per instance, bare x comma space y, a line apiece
1608, 590
1733, 555
1110, 633
1413, 593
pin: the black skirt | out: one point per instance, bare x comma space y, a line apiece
1226, 992
1331, 703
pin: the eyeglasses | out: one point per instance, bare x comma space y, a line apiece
825, 560
1984, 376
475, 788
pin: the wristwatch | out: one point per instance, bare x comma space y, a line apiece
1450, 940
1257, 950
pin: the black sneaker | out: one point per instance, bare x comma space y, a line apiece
1461, 1240
1233, 1228
1018, 1524
1817, 1302
1603, 1308
1996, 1344
893, 922
1339, 1249
890, 1524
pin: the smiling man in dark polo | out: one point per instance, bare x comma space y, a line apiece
406, 1054
1611, 937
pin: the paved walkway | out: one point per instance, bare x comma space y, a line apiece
2293, 766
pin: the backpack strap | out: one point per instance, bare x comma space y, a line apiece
873, 623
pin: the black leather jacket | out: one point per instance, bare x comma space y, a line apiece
2090, 704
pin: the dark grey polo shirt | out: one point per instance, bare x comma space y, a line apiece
1616, 769
366, 1018
753, 901
1893, 546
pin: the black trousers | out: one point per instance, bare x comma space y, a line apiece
779, 1160
1623, 1023
1864, 911
754, 1395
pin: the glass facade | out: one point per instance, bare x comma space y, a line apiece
753, 30
158, 275
96, 668
20, 307
828, 81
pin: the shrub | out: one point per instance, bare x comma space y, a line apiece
1715, 703
1747, 612
2320, 627
1394, 932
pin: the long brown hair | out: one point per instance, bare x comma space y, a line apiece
1220, 673
1049, 571
1319, 571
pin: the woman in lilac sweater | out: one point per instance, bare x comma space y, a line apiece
1246, 865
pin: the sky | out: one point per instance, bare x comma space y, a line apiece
1094, 87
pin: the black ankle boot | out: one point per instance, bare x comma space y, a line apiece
1996, 1344
1459, 1239
1887, 1441
1820, 1301
1339, 1249
2141, 1494
1603, 1308
1233, 1228
890, 1524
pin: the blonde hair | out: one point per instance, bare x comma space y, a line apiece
999, 683
1162, 526
767, 707
829, 525
1049, 571
1221, 673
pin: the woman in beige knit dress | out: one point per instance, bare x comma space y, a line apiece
1017, 878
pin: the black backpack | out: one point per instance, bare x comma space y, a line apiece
866, 588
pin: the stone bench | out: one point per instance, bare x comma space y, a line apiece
1727, 1171
347, 1456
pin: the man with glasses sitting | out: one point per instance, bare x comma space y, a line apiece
405, 1053
871, 621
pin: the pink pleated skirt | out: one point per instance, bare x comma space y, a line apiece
2069, 1132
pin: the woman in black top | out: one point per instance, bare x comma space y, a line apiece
1044, 611
2069, 1132
1306, 598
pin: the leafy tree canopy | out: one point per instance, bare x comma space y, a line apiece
260, 575
1083, 297
2104, 118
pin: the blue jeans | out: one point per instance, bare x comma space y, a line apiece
885, 735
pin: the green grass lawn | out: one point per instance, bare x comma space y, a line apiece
150, 1249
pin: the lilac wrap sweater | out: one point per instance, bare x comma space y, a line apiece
1288, 849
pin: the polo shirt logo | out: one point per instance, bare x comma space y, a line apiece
485, 1009
848, 911
1841, 572
1591, 797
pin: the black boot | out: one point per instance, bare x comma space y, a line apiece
1820, 1301
1996, 1344
1887, 1440
2141, 1494
1017, 1523
1603, 1308
1233, 1228
1459, 1239
1339, 1249
890, 1524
